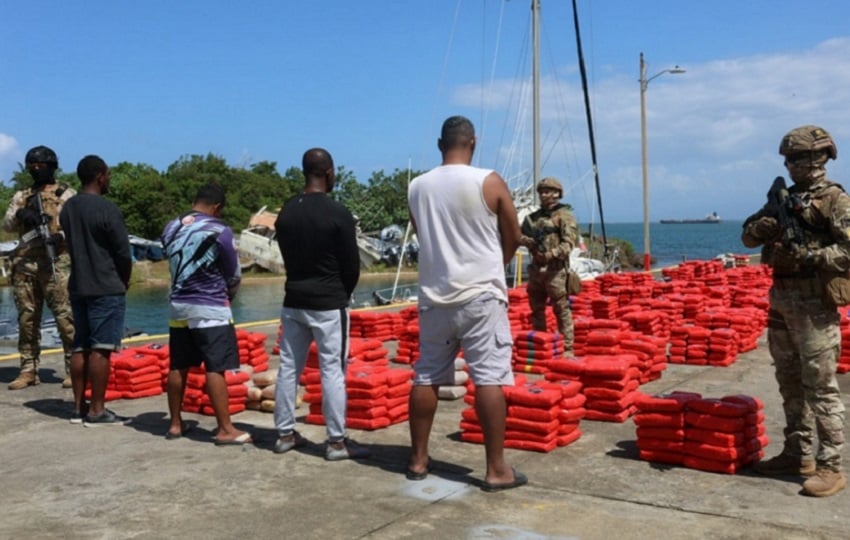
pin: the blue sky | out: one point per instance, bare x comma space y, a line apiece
147, 82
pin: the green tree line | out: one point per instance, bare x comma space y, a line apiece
149, 198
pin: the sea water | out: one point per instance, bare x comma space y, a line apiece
670, 244
259, 300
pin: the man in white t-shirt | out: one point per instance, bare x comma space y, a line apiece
468, 230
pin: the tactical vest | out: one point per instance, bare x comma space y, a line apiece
545, 227
32, 245
817, 204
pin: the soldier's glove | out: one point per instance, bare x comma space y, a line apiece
764, 229
28, 217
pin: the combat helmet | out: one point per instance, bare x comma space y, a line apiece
808, 139
550, 183
41, 154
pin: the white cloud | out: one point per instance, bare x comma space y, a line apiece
8, 144
713, 132
10, 155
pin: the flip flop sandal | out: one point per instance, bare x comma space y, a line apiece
416, 476
519, 480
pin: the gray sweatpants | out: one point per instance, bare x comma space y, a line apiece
329, 329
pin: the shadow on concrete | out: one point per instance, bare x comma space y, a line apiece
46, 375
50, 376
8, 374
57, 408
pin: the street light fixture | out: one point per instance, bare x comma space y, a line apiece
644, 82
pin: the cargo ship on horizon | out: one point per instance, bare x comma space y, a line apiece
710, 218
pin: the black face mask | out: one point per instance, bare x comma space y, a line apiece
42, 176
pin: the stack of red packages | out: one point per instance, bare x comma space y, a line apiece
673, 310
160, 350
407, 351
722, 347
583, 327
610, 385
368, 324
662, 288
368, 350
648, 321
410, 313
724, 435
603, 341
689, 345
518, 309
533, 351
717, 297
132, 375
197, 400
604, 307
252, 350
694, 304
660, 422
377, 396
749, 323
582, 304
534, 420
651, 354
844, 359
519, 316
135, 375
567, 369
572, 410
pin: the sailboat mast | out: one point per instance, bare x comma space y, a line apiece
590, 131
535, 85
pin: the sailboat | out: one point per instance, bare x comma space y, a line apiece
525, 199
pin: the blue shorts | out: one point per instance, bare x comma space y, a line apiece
480, 327
98, 322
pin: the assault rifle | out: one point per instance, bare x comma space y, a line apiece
786, 207
540, 235
44, 231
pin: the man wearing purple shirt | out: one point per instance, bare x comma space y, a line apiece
205, 276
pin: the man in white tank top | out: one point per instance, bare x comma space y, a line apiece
468, 230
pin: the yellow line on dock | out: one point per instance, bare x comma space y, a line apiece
155, 337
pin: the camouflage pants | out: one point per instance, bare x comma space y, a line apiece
33, 285
544, 284
804, 338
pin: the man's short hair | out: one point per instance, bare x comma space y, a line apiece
89, 168
456, 130
316, 161
211, 193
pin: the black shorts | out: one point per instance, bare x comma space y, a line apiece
216, 347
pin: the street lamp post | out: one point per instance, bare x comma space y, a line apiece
644, 82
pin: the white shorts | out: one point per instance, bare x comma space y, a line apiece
480, 327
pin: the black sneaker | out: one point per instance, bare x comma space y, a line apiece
77, 417
106, 418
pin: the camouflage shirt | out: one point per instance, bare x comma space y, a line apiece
825, 218
555, 232
31, 245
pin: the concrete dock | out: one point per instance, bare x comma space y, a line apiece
67, 481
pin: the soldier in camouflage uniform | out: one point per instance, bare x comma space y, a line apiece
550, 234
803, 324
34, 280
